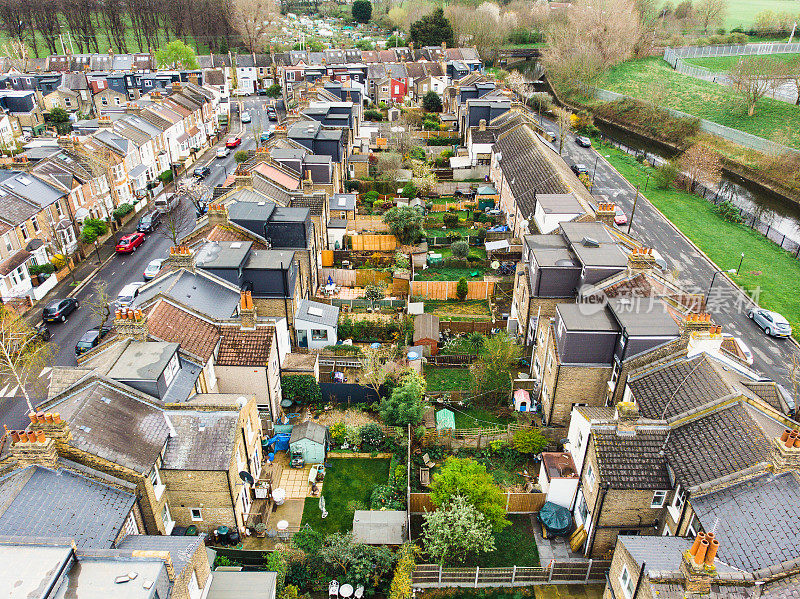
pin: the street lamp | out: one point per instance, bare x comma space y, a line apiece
730, 271
741, 259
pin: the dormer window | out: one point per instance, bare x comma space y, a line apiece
171, 371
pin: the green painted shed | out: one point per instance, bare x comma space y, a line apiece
445, 419
310, 439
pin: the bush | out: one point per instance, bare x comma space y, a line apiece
58, 261
729, 212
338, 432
444, 141
92, 229
371, 196
431, 102
240, 156
409, 191
307, 540
301, 388
450, 220
39, 269
344, 350
373, 115
460, 250
462, 289
530, 441
122, 210
385, 497
351, 185
165, 177
371, 434
666, 174
418, 154
274, 90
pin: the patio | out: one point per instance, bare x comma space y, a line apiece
553, 548
291, 511
295, 482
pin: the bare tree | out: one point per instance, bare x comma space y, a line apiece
710, 12
23, 355
99, 303
374, 369
754, 77
564, 122
699, 163
389, 163
175, 224
256, 21
517, 82
63, 243
791, 71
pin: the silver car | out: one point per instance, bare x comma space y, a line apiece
773, 323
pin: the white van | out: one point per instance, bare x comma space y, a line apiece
166, 202
128, 294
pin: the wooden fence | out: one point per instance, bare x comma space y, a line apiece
472, 326
371, 223
373, 242
516, 503
578, 572
444, 290
451, 360
367, 276
341, 276
448, 205
355, 278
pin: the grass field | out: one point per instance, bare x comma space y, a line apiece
742, 13
469, 309
765, 265
447, 379
726, 63
347, 487
652, 79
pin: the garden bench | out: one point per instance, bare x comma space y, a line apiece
425, 476
427, 460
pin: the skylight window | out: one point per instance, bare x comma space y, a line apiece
315, 312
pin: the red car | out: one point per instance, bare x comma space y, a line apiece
232, 142
620, 218
129, 243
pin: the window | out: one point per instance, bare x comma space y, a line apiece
626, 582
166, 518
549, 362
24, 230
35, 225
7, 242
131, 528
545, 396
583, 510
691, 530
589, 475
197, 514
537, 366
541, 335
659, 497
155, 479
171, 371
59, 210
319, 334
579, 442
561, 327
104, 101
679, 499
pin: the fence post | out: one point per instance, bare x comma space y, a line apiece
508, 499
550, 573
588, 571
477, 571
514, 575
440, 574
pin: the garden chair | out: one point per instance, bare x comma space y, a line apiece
425, 476
333, 589
427, 460
359, 592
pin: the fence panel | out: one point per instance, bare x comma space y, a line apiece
340, 276
444, 290
420, 503
580, 572
373, 243
524, 503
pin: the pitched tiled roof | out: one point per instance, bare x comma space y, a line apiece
677, 387
196, 336
244, 348
783, 588
13, 261
181, 549
202, 440
717, 445
632, 461
222, 233
756, 520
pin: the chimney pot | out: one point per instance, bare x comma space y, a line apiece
40, 417
700, 536
711, 553
32, 416
48, 418
15, 436
790, 439
797, 441
700, 556
40, 437
56, 418
23, 437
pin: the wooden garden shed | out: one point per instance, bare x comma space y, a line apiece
426, 333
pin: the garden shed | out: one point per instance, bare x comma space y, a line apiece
445, 419
426, 333
310, 439
380, 527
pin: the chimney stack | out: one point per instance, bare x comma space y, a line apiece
627, 411
640, 259
482, 125
697, 564
181, 257
131, 324
247, 311
217, 214
696, 323
34, 447
786, 451
51, 425
605, 213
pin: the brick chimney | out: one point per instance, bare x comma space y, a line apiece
131, 324
51, 424
33, 447
308, 183
280, 132
104, 122
482, 125
444, 46
786, 451
247, 312
605, 213
627, 411
696, 323
697, 565
217, 215
181, 257
641, 258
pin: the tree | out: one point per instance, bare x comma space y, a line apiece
456, 531
486, 27
374, 370
523, 88
460, 249
754, 77
432, 30
405, 405
198, 194
58, 241
530, 440
92, 229
241, 156
256, 21
302, 389
564, 122
462, 289
374, 293
274, 90
423, 178
99, 303
431, 102
23, 355
60, 118
710, 12
362, 11
358, 564
699, 163
492, 372
176, 55
405, 223
388, 165
464, 477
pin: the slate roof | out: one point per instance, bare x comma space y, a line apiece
13, 261
202, 441
114, 425
677, 387
195, 335
661, 554
632, 461
330, 314
204, 294
783, 588
720, 444
309, 430
181, 549
765, 510
40, 502
244, 348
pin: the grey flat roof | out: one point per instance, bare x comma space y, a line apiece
270, 259
181, 549
545, 241
205, 294
245, 210
343, 201
559, 203
326, 314
290, 215
574, 232
373, 527
235, 585
143, 361
29, 569
608, 254
583, 318
223, 254
555, 257
644, 316
93, 578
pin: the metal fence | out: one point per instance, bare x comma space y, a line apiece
717, 197
583, 572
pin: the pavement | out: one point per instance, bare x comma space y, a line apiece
728, 304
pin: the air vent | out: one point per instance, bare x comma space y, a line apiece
236, 245
315, 312
590, 243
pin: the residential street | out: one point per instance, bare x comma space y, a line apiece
728, 304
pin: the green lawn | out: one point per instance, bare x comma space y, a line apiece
652, 79
726, 63
469, 309
514, 545
743, 12
347, 488
450, 273
447, 379
471, 417
765, 266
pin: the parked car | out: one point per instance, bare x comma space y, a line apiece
620, 218
166, 202
223, 152
201, 172
128, 243
272, 114
583, 141
773, 324
261, 91
233, 142
58, 310
153, 268
149, 222
245, 117
90, 340
265, 137
128, 294
239, 92
580, 169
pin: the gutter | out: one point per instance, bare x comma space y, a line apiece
604, 487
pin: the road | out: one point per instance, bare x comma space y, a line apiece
727, 303
123, 269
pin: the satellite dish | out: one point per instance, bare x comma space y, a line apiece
247, 477
495, 265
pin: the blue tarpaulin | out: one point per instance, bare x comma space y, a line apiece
280, 440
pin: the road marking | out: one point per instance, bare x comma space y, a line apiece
3, 392
13, 391
47, 371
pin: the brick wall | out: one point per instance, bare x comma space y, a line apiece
199, 566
